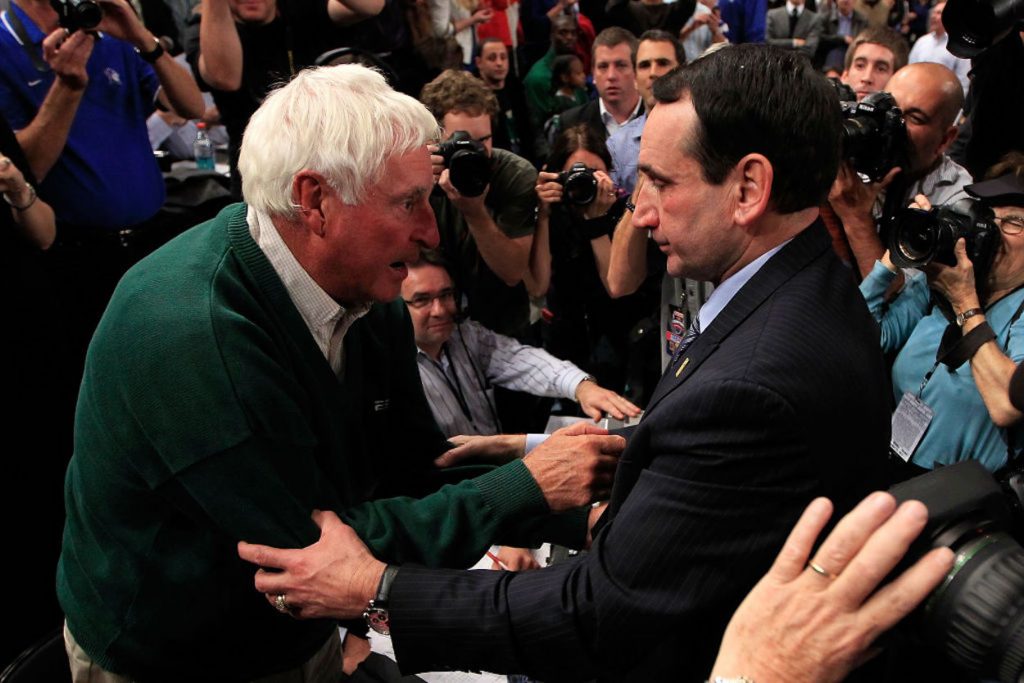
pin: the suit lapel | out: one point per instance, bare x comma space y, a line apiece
805, 247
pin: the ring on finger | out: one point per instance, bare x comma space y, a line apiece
818, 569
281, 604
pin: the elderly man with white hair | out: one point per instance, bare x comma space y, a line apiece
243, 377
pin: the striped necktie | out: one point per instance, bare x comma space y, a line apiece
688, 338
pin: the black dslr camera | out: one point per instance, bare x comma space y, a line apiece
579, 183
469, 166
975, 618
874, 135
917, 237
77, 14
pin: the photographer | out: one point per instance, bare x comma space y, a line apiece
961, 411
930, 98
590, 328
486, 237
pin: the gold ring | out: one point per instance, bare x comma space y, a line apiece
818, 569
280, 604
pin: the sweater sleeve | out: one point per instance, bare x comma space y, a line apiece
898, 318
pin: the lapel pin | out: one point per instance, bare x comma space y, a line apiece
682, 365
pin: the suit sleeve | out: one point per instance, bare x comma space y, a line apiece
702, 522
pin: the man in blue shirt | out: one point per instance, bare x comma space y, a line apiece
79, 102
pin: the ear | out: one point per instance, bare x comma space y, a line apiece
753, 176
308, 195
947, 138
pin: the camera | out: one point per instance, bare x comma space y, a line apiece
874, 135
77, 14
975, 25
579, 183
469, 165
976, 615
918, 237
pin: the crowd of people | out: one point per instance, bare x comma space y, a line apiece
496, 221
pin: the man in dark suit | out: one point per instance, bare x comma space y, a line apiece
839, 26
618, 100
776, 396
794, 26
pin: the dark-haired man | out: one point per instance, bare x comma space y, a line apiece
486, 238
779, 398
871, 60
460, 361
540, 96
511, 124
618, 100
657, 53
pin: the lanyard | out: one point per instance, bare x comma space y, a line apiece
456, 387
26, 42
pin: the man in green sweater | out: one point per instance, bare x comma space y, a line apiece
242, 377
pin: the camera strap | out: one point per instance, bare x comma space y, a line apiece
26, 43
957, 348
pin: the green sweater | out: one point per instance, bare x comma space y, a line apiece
207, 414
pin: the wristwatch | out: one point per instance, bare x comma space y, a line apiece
153, 54
961, 318
376, 614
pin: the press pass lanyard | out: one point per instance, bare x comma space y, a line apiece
456, 387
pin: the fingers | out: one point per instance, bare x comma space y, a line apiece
453, 456
262, 555
792, 558
327, 520
890, 176
579, 429
592, 411
899, 598
882, 551
921, 202
853, 531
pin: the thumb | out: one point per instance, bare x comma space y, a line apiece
327, 520
451, 457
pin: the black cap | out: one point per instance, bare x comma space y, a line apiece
1002, 191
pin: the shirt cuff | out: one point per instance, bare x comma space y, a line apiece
534, 440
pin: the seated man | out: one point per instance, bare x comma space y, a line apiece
457, 377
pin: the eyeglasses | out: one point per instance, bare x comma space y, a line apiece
1011, 225
445, 296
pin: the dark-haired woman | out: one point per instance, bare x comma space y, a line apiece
610, 338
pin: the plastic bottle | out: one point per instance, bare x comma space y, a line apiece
202, 149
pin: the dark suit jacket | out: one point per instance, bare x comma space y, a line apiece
590, 114
781, 399
807, 27
830, 38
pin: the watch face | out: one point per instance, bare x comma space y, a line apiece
377, 618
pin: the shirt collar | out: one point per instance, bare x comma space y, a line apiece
321, 313
609, 120
790, 7
724, 292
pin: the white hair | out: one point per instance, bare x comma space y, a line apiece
343, 122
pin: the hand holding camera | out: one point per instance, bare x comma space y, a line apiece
67, 54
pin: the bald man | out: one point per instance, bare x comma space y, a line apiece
931, 98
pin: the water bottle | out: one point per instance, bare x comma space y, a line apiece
202, 148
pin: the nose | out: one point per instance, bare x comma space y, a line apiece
437, 308
645, 217
426, 234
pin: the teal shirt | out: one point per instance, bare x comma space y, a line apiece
961, 428
208, 415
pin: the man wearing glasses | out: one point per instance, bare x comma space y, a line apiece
461, 361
